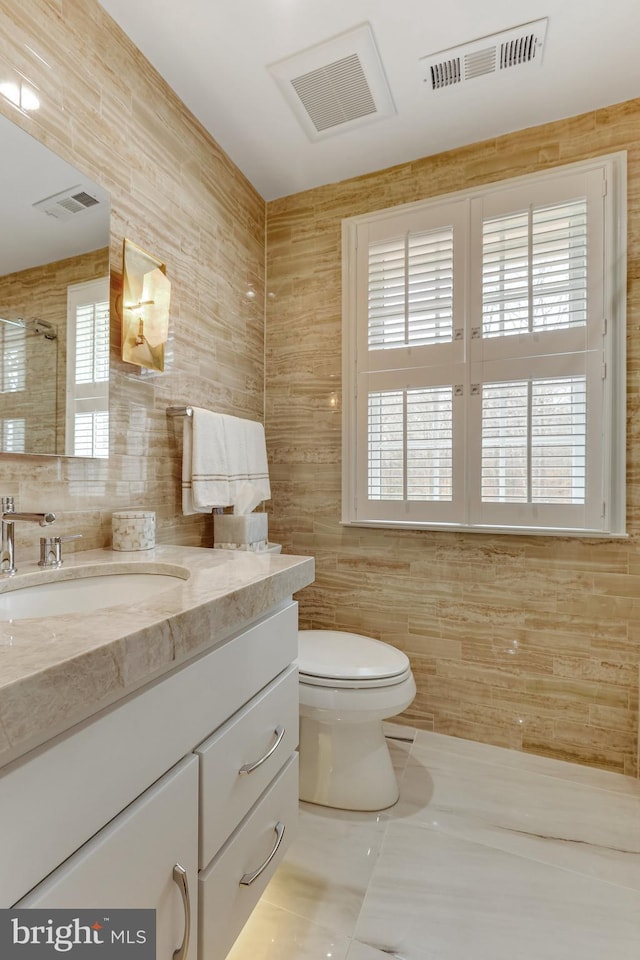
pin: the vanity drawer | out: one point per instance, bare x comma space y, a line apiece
227, 892
239, 761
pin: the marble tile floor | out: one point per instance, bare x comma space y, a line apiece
489, 854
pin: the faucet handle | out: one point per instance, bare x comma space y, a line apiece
51, 550
7, 505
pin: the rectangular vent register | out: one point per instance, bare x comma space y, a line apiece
496, 54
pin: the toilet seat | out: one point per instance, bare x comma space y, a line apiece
333, 658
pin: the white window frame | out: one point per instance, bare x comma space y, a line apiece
468, 361
13, 370
90, 399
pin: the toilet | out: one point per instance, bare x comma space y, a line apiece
348, 685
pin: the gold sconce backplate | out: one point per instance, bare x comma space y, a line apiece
145, 315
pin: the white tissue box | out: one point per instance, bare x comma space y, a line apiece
240, 529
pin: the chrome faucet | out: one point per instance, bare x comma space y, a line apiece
8, 516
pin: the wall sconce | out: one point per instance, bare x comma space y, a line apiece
145, 315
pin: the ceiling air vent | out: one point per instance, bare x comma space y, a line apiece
518, 47
67, 204
336, 85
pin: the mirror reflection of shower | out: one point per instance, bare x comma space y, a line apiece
26, 344
35, 325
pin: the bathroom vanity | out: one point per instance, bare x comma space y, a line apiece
149, 747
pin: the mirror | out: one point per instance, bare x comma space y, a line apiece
54, 303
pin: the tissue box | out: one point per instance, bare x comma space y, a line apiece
239, 529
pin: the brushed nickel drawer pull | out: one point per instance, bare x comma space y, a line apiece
279, 733
248, 878
180, 877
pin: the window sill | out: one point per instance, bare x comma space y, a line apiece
487, 529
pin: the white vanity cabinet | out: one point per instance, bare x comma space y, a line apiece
146, 857
197, 770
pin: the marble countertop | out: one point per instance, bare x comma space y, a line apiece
58, 671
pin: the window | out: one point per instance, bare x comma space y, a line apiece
12, 435
484, 357
13, 344
87, 424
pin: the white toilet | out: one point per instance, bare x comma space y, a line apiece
348, 685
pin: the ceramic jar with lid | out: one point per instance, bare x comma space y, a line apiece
134, 530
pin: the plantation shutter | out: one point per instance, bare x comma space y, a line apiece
12, 430
536, 360
484, 357
534, 270
91, 434
406, 358
87, 421
411, 444
13, 369
92, 342
534, 441
410, 290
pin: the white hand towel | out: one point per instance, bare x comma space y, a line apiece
224, 463
205, 471
247, 462
187, 456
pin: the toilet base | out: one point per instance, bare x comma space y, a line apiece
346, 765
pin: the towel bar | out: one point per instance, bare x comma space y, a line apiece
179, 411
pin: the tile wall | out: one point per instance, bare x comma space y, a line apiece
526, 642
531, 643
175, 193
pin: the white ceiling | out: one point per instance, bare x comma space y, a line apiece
215, 54
30, 172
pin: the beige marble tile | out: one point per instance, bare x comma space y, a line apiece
399, 751
326, 871
513, 807
439, 896
545, 766
276, 934
490, 853
568, 604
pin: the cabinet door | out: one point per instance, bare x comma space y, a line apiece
130, 863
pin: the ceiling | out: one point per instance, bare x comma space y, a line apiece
215, 54
29, 174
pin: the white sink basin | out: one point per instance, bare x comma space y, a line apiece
88, 590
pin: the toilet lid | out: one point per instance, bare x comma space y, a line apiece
334, 655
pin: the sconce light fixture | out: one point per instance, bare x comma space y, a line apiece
146, 297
